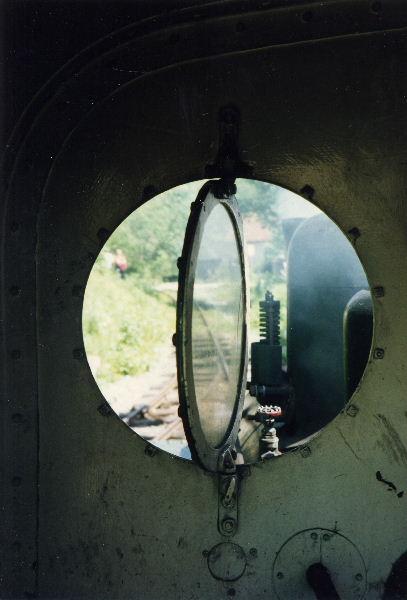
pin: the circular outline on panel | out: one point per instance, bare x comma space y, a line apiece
316, 536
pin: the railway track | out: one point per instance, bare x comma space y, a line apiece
156, 418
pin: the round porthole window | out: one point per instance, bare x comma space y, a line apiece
272, 313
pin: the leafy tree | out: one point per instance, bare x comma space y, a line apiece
153, 235
258, 198
123, 324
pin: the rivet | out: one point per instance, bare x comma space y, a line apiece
378, 353
280, 575
15, 354
150, 451
149, 192
305, 451
378, 291
15, 290
358, 576
105, 409
352, 410
103, 235
354, 233
307, 191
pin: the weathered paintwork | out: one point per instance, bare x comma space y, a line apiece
87, 512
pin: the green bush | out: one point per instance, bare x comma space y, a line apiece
126, 322
124, 325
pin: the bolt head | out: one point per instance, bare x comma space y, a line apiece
352, 410
150, 450
305, 451
228, 525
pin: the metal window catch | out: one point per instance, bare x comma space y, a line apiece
228, 488
228, 164
229, 496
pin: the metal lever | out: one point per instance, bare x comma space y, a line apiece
228, 498
320, 580
227, 494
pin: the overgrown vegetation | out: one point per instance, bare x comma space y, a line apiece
124, 325
152, 237
127, 321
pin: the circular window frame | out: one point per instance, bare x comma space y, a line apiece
211, 186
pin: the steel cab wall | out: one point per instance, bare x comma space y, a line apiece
322, 105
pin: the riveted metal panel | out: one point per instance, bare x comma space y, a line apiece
322, 110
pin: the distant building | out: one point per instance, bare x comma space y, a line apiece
257, 239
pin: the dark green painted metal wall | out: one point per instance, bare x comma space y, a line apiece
86, 512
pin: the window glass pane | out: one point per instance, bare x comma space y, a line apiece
217, 322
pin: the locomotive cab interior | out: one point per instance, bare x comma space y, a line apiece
131, 100
241, 386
